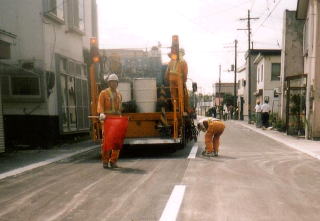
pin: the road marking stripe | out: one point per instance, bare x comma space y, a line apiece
171, 210
193, 152
44, 163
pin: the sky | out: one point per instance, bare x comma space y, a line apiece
207, 30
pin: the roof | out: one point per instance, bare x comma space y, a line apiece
265, 54
302, 9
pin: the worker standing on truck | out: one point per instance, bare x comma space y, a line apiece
214, 129
178, 71
109, 103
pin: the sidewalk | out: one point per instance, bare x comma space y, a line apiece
309, 147
18, 161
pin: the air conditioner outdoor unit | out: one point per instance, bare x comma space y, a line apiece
277, 90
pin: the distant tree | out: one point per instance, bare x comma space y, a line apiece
228, 99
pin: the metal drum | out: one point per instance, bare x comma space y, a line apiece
145, 94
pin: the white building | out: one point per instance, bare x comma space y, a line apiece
309, 10
268, 66
44, 56
242, 92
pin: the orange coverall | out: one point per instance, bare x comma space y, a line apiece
178, 70
109, 103
212, 136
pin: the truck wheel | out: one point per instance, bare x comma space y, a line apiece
183, 142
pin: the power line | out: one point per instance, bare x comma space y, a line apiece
275, 6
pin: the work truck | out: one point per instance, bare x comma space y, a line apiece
154, 116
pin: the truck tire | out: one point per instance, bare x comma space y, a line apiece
183, 141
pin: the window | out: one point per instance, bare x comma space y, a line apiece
25, 85
73, 103
5, 90
275, 72
55, 9
76, 11
261, 73
5, 52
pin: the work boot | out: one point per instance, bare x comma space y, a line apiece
206, 154
113, 165
215, 153
105, 165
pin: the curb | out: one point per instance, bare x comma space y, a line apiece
44, 163
283, 141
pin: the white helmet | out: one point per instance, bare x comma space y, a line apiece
113, 77
201, 125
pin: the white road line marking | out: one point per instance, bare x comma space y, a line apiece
193, 152
171, 210
43, 163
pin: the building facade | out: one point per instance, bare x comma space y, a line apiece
293, 79
268, 64
133, 63
220, 89
309, 11
44, 68
242, 92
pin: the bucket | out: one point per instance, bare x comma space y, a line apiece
125, 90
115, 129
145, 94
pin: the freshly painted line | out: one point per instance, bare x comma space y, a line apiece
43, 163
193, 152
171, 210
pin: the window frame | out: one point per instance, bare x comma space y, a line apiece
64, 107
10, 97
272, 78
72, 16
48, 12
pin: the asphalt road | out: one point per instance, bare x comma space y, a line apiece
254, 178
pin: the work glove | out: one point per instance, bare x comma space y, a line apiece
102, 116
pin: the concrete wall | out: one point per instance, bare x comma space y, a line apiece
312, 68
23, 19
2, 148
266, 84
291, 54
240, 78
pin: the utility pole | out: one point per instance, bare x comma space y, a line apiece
235, 75
219, 83
219, 108
249, 62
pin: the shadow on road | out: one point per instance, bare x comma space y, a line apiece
127, 170
220, 158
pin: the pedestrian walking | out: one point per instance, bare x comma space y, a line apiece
258, 114
225, 112
109, 104
213, 128
214, 112
265, 112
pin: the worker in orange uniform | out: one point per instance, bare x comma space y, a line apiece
178, 71
214, 129
109, 103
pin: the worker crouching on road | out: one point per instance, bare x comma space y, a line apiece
214, 129
109, 103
